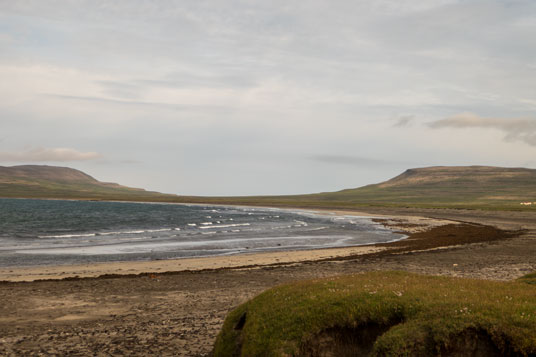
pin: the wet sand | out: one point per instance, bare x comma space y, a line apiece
176, 265
180, 313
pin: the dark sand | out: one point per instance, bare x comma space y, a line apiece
181, 313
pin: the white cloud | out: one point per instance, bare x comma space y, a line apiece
516, 129
48, 155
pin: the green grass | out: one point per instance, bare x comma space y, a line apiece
528, 279
85, 191
395, 313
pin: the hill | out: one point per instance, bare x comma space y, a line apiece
40, 181
430, 187
447, 186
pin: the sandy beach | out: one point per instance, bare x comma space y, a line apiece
176, 307
177, 265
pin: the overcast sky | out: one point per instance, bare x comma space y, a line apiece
266, 97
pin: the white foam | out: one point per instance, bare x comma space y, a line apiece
69, 235
159, 230
317, 229
133, 232
225, 225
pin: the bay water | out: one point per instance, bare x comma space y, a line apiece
55, 232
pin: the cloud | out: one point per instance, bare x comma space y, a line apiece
404, 121
48, 154
516, 129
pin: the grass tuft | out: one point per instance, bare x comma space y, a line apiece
528, 279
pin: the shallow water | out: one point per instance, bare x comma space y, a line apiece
54, 232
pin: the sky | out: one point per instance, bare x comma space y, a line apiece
266, 97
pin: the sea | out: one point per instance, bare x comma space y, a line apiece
56, 232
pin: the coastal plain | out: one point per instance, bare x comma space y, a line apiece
177, 311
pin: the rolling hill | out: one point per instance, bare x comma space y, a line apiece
482, 187
450, 186
40, 181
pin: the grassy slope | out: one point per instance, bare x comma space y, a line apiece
396, 313
39, 181
449, 187
59, 190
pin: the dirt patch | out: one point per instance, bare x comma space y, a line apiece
345, 341
473, 343
359, 341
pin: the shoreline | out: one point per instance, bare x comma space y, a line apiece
406, 225
129, 268
180, 313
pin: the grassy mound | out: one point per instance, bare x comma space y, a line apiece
384, 313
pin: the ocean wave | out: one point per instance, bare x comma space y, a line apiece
225, 225
108, 233
317, 229
69, 235
158, 230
